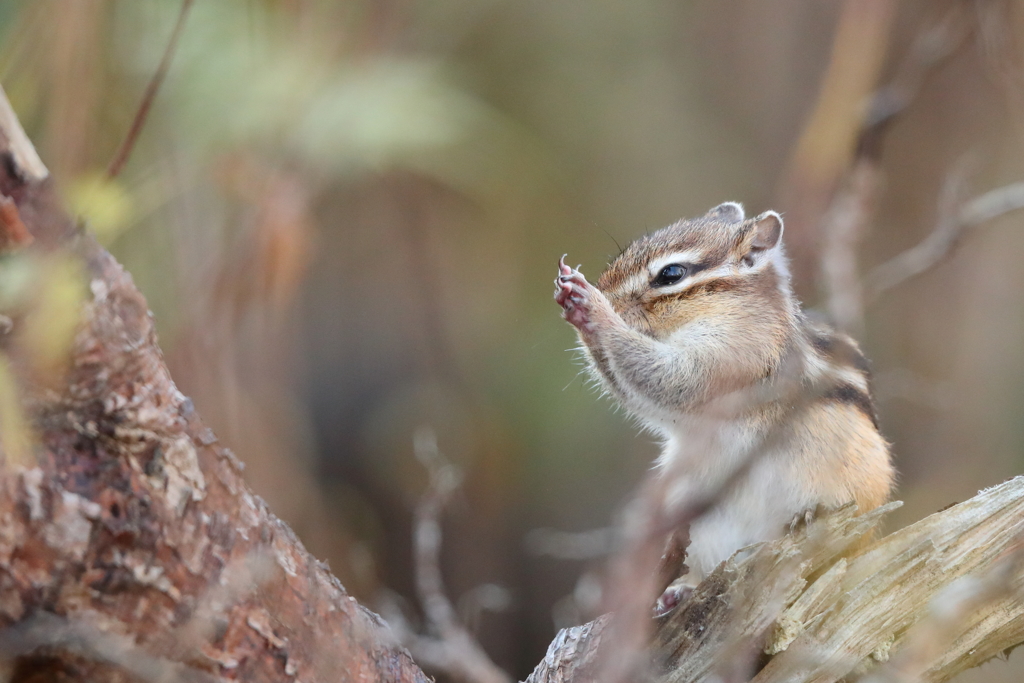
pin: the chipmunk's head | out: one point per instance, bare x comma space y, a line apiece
722, 266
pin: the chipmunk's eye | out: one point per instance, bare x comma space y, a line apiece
669, 275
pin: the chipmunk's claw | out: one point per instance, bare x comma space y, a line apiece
564, 283
563, 270
563, 288
802, 520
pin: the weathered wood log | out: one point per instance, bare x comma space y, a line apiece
927, 602
131, 548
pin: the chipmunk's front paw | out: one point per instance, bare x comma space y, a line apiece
577, 297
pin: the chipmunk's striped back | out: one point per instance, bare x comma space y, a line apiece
839, 364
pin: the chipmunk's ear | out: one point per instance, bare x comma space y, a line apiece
729, 212
766, 231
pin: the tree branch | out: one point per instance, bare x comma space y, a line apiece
852, 208
953, 221
134, 525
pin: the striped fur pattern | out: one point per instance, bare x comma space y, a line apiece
724, 366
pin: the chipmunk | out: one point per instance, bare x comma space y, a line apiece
695, 330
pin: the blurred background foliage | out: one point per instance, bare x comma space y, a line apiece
346, 218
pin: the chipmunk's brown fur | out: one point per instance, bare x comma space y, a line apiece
723, 364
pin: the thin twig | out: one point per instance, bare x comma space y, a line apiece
950, 227
454, 651
444, 480
125, 150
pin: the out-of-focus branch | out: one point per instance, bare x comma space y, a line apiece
954, 219
453, 651
131, 523
852, 207
829, 140
825, 615
844, 226
139, 120
931, 47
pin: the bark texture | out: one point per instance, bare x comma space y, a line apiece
130, 547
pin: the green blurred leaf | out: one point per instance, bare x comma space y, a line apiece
104, 204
